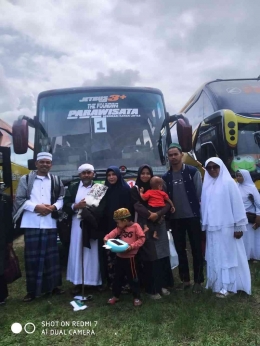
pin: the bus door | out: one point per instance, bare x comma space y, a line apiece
5, 171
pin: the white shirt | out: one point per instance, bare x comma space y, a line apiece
41, 194
81, 193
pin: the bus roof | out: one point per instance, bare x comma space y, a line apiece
240, 95
103, 88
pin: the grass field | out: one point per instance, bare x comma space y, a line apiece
183, 318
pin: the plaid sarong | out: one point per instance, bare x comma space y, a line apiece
42, 265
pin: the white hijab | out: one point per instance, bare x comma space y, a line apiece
221, 202
246, 188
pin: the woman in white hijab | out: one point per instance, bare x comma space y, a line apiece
251, 200
224, 219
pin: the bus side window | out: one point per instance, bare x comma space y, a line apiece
207, 150
208, 109
195, 113
197, 150
174, 135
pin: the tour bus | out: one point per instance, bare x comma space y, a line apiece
121, 126
225, 117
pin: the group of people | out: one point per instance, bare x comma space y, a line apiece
140, 216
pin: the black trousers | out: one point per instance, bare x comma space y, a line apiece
157, 275
179, 228
3, 289
126, 267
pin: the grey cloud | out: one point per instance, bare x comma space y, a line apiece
173, 45
8, 100
127, 77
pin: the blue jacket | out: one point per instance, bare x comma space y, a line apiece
193, 185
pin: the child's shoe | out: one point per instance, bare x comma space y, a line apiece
112, 301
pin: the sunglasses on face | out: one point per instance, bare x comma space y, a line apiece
212, 167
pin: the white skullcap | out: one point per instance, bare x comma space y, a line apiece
85, 167
44, 156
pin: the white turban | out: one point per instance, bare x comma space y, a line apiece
85, 167
44, 156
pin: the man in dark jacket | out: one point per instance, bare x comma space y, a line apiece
184, 186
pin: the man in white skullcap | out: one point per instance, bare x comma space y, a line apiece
39, 196
74, 201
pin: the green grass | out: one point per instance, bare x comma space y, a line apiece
182, 318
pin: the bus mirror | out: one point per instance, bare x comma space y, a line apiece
20, 136
184, 132
171, 118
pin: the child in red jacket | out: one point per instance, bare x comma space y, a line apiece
156, 199
132, 234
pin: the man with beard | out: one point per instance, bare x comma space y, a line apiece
39, 195
184, 185
73, 202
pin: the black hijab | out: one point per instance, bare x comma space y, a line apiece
139, 182
117, 196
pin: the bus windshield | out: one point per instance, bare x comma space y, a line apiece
100, 127
248, 150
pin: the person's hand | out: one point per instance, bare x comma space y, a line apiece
128, 249
172, 210
82, 204
52, 207
238, 234
257, 222
42, 210
141, 189
153, 217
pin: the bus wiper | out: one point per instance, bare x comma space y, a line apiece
257, 137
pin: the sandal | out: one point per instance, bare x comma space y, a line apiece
137, 302
29, 297
165, 292
155, 296
222, 295
86, 298
112, 301
197, 288
182, 286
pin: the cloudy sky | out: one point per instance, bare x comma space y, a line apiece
174, 45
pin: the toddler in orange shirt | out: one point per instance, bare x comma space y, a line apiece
156, 199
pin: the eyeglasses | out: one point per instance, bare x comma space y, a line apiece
212, 167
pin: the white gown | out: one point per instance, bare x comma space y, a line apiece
223, 213
251, 238
227, 265
92, 275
